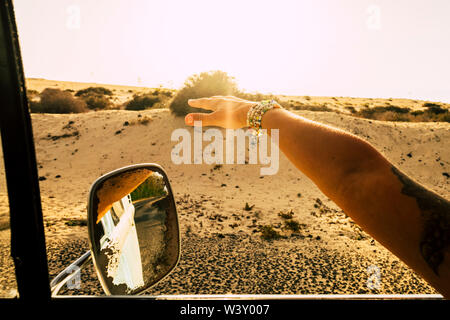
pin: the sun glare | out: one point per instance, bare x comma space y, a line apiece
287, 46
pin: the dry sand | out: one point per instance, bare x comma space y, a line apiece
222, 251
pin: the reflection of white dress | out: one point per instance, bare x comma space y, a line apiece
129, 268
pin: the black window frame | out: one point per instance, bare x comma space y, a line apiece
28, 247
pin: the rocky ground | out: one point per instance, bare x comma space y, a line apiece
241, 264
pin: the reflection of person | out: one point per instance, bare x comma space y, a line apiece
408, 219
120, 243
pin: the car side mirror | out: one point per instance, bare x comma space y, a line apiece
133, 228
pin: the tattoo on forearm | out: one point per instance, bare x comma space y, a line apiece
435, 211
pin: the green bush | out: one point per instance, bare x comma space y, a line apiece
57, 101
205, 84
142, 102
152, 187
94, 90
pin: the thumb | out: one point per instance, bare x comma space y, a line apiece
205, 118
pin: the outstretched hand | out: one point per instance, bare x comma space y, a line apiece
228, 112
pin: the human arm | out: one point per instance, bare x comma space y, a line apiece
408, 219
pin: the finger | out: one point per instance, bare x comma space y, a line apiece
204, 103
207, 119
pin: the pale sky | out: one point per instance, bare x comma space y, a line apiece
358, 48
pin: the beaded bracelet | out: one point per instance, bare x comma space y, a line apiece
256, 112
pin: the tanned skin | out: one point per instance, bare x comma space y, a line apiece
408, 219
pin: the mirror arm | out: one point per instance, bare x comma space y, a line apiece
68, 273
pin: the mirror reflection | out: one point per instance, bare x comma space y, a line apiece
136, 230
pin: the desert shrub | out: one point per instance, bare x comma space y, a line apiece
167, 93
396, 109
34, 106
391, 112
430, 105
213, 83
141, 120
434, 108
95, 101
142, 101
33, 97
433, 112
255, 96
269, 233
394, 116
248, 207
286, 104
76, 222
444, 117
311, 107
94, 90
292, 225
57, 101
286, 214
4, 220
351, 109
31, 94
201, 85
260, 96
96, 98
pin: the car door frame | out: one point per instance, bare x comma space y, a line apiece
28, 248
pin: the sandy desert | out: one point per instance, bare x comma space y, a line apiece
222, 248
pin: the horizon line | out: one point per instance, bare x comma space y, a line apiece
251, 92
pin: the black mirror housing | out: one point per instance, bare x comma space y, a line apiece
133, 228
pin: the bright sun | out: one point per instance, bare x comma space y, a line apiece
280, 46
250, 40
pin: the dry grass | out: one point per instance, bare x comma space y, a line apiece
141, 121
